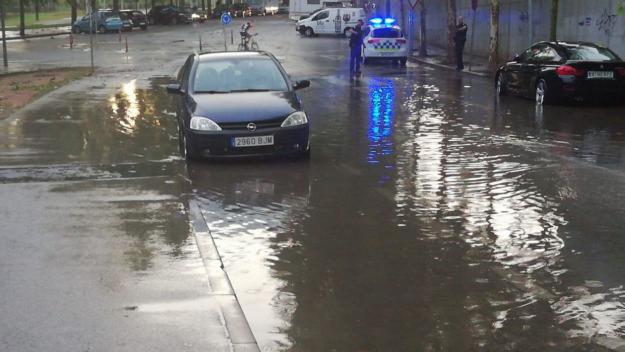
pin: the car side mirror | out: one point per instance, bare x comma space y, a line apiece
301, 84
516, 58
174, 89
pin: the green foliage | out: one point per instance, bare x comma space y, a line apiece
620, 8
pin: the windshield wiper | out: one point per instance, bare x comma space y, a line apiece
212, 91
251, 90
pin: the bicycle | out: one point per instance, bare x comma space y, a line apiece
248, 42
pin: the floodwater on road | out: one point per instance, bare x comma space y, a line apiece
430, 217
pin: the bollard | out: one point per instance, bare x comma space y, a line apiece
200, 36
120, 35
71, 41
126, 44
232, 36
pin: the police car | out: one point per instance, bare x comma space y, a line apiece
385, 41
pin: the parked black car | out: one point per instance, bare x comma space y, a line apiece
168, 14
553, 71
234, 104
238, 10
138, 18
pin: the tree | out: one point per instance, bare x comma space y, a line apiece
451, 29
493, 55
423, 51
74, 9
553, 33
22, 20
115, 5
620, 8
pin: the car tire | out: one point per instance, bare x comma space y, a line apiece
543, 95
186, 149
144, 27
101, 29
174, 20
366, 61
500, 85
403, 61
151, 21
309, 32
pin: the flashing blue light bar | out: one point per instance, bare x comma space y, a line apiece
389, 21
376, 20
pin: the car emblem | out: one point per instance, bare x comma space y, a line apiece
601, 67
251, 127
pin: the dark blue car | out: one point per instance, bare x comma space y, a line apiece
234, 104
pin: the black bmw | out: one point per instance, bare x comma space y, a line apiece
553, 71
239, 104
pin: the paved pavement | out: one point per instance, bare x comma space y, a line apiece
431, 216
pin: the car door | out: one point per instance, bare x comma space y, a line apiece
321, 22
544, 58
513, 71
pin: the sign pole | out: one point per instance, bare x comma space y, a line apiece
474, 5
530, 13
4, 37
226, 19
91, 39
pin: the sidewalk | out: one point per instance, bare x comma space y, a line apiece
437, 57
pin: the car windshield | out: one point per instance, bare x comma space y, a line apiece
590, 53
238, 75
386, 33
109, 15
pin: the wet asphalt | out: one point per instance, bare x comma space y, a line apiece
431, 215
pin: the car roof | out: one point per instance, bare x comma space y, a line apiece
562, 43
210, 56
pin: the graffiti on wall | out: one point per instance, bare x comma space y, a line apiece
606, 22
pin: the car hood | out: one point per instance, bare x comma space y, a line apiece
245, 107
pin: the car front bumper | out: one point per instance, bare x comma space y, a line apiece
287, 141
390, 54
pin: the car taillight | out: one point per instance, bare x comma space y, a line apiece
401, 41
567, 70
371, 41
621, 71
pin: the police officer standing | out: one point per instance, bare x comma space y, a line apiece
355, 45
460, 38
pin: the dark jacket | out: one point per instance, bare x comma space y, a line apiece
355, 40
461, 33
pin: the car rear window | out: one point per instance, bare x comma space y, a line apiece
386, 33
238, 75
590, 53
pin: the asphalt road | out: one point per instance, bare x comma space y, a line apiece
431, 216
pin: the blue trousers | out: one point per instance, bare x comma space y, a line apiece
354, 60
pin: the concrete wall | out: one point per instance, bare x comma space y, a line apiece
588, 20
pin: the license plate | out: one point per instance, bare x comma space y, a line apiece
387, 53
600, 74
256, 141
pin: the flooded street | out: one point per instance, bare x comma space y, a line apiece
431, 216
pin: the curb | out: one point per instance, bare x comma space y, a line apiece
239, 331
34, 36
449, 68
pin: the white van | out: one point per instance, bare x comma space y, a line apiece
331, 21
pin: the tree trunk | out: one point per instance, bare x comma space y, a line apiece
493, 56
22, 19
115, 5
451, 30
36, 10
403, 15
423, 48
5, 58
94, 6
74, 11
553, 33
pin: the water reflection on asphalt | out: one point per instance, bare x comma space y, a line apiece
431, 217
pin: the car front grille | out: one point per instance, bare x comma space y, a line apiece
260, 125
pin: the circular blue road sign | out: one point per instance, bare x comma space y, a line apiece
226, 18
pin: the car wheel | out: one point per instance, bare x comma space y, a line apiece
403, 61
151, 21
542, 94
366, 61
309, 32
174, 20
102, 29
501, 85
186, 149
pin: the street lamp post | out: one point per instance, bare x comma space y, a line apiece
530, 15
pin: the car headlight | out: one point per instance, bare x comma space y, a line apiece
295, 119
200, 123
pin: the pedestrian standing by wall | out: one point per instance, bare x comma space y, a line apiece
460, 38
355, 48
